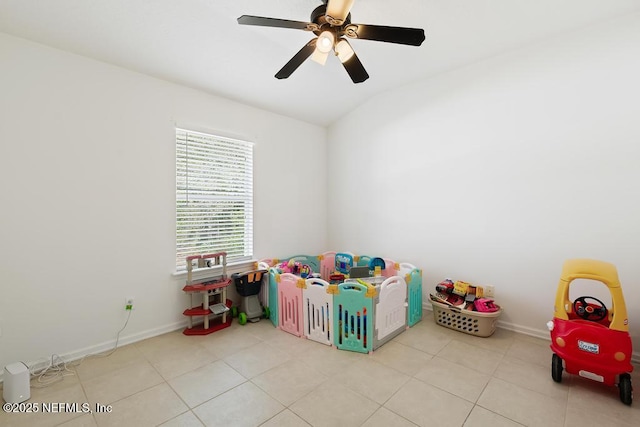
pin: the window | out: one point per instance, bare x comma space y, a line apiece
214, 196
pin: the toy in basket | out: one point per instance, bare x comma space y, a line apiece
248, 286
462, 306
587, 338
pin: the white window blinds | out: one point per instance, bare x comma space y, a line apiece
214, 196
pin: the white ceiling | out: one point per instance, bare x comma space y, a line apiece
198, 43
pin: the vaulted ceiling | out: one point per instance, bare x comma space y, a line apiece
199, 43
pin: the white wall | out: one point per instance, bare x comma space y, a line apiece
498, 172
88, 197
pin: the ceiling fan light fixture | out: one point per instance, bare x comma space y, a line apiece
344, 51
325, 42
319, 57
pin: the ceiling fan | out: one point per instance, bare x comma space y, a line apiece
331, 23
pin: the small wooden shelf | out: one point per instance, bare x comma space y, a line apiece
213, 293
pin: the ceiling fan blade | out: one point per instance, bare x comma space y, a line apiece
381, 33
297, 60
272, 22
355, 69
337, 11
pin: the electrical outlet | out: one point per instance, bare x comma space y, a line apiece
128, 303
489, 291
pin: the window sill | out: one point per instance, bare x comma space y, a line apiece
204, 273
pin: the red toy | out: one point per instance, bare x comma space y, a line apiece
587, 339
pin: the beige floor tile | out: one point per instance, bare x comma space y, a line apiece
372, 380
522, 405
264, 330
476, 358
531, 350
426, 405
500, 341
43, 415
86, 420
385, 418
168, 341
254, 360
577, 416
174, 362
325, 386
458, 380
120, 383
51, 385
289, 381
329, 360
480, 417
291, 344
187, 419
95, 366
426, 338
229, 341
333, 405
146, 408
286, 418
590, 396
531, 376
430, 324
245, 405
401, 357
207, 382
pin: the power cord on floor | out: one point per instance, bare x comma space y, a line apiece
58, 368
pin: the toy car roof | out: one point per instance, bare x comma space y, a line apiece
583, 268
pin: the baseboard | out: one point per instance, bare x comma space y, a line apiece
103, 347
150, 333
532, 332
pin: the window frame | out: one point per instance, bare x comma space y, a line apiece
214, 190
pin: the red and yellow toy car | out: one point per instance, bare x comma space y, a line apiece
587, 338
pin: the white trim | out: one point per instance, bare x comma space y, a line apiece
203, 273
228, 136
542, 333
105, 346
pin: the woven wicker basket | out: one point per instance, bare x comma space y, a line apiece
470, 322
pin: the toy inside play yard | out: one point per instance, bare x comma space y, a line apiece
587, 338
248, 286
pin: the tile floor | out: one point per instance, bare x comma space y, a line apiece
256, 375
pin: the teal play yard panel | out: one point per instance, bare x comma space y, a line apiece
353, 318
310, 260
414, 291
273, 296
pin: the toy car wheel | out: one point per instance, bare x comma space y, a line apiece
242, 318
556, 368
267, 312
234, 311
626, 392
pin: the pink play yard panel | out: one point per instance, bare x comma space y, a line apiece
389, 268
327, 265
290, 304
